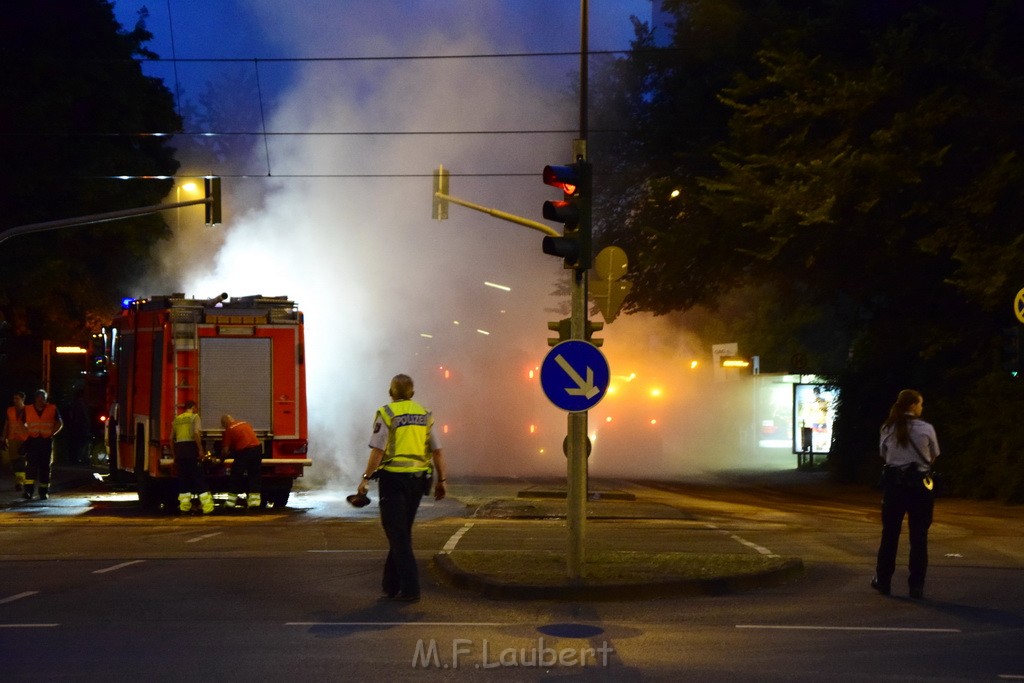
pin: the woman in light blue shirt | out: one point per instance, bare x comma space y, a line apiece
909, 447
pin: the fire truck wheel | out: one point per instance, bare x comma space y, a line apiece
277, 494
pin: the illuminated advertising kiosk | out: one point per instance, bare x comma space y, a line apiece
814, 410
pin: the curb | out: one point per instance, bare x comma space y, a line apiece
562, 494
500, 588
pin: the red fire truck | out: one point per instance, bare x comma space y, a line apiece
242, 356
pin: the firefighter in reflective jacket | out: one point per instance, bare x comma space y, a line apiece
15, 433
241, 443
403, 453
42, 421
187, 432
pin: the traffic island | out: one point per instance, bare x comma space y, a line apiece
611, 574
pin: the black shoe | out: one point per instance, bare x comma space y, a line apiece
43, 495
882, 588
917, 592
27, 495
403, 597
388, 595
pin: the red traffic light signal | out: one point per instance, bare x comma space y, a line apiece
573, 211
562, 177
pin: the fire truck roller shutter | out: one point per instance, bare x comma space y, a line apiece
235, 378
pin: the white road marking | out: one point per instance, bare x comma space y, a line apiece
848, 628
204, 536
19, 596
117, 566
759, 548
28, 625
454, 540
371, 624
750, 544
377, 550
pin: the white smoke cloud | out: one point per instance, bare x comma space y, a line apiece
361, 256
338, 226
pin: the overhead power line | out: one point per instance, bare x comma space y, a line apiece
323, 175
394, 58
524, 131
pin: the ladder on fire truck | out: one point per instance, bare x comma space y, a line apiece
185, 342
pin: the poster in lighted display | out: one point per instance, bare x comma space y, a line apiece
814, 410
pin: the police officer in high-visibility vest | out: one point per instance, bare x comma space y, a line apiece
187, 432
42, 421
403, 453
14, 434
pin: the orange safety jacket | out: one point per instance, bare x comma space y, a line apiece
238, 436
16, 428
43, 425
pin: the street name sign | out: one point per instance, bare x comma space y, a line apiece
574, 376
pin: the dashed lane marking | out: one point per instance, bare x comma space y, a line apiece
18, 596
781, 627
204, 536
372, 624
117, 566
342, 550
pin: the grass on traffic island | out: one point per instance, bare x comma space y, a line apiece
612, 574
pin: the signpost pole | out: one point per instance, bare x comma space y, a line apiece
576, 495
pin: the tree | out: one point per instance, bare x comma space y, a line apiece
862, 199
73, 118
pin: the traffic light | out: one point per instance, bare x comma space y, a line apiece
573, 211
562, 328
213, 203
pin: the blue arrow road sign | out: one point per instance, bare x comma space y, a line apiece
574, 376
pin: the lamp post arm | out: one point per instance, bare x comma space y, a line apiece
94, 218
496, 213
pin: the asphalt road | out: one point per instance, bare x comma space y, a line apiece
91, 589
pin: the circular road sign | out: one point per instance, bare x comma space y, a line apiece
574, 376
611, 263
1018, 306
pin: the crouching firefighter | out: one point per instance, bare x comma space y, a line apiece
240, 442
187, 432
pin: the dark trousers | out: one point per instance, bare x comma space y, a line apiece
38, 456
245, 471
400, 496
191, 478
912, 500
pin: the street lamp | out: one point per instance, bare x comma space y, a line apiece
191, 188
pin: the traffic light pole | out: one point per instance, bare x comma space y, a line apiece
576, 494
